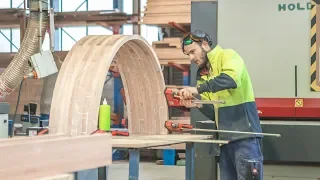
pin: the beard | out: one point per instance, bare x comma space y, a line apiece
205, 59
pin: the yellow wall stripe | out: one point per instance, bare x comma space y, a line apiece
313, 49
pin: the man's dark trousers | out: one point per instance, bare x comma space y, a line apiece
241, 160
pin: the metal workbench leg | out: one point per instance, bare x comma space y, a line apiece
107, 169
134, 159
190, 156
103, 173
91, 174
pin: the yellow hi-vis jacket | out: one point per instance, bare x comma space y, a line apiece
228, 79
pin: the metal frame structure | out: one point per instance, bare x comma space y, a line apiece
15, 18
109, 19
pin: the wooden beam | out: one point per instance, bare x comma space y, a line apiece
50, 156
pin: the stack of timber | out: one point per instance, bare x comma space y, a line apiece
169, 51
161, 12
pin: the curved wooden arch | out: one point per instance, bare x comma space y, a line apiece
77, 94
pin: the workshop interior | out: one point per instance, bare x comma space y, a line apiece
125, 119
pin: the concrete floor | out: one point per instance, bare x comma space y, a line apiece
151, 171
148, 171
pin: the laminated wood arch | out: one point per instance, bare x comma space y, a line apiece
77, 94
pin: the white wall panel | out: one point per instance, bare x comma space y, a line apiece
271, 43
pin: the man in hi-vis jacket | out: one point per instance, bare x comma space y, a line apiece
222, 75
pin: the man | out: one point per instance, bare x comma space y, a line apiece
222, 75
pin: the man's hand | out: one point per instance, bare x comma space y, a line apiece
188, 93
189, 104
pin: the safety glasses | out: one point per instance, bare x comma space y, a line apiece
195, 36
187, 41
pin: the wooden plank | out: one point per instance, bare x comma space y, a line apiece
181, 146
148, 141
161, 3
162, 12
176, 61
170, 53
140, 143
144, 141
24, 139
183, 137
168, 42
165, 19
168, 9
75, 104
169, 50
59, 177
49, 157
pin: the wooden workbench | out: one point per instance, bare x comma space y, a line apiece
134, 143
39, 157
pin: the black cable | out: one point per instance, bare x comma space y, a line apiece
296, 81
17, 105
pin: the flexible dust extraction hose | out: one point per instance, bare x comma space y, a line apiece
14, 73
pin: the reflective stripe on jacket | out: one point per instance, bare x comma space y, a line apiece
228, 79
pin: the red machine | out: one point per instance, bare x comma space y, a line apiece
288, 107
270, 107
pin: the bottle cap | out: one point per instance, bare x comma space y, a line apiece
105, 101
